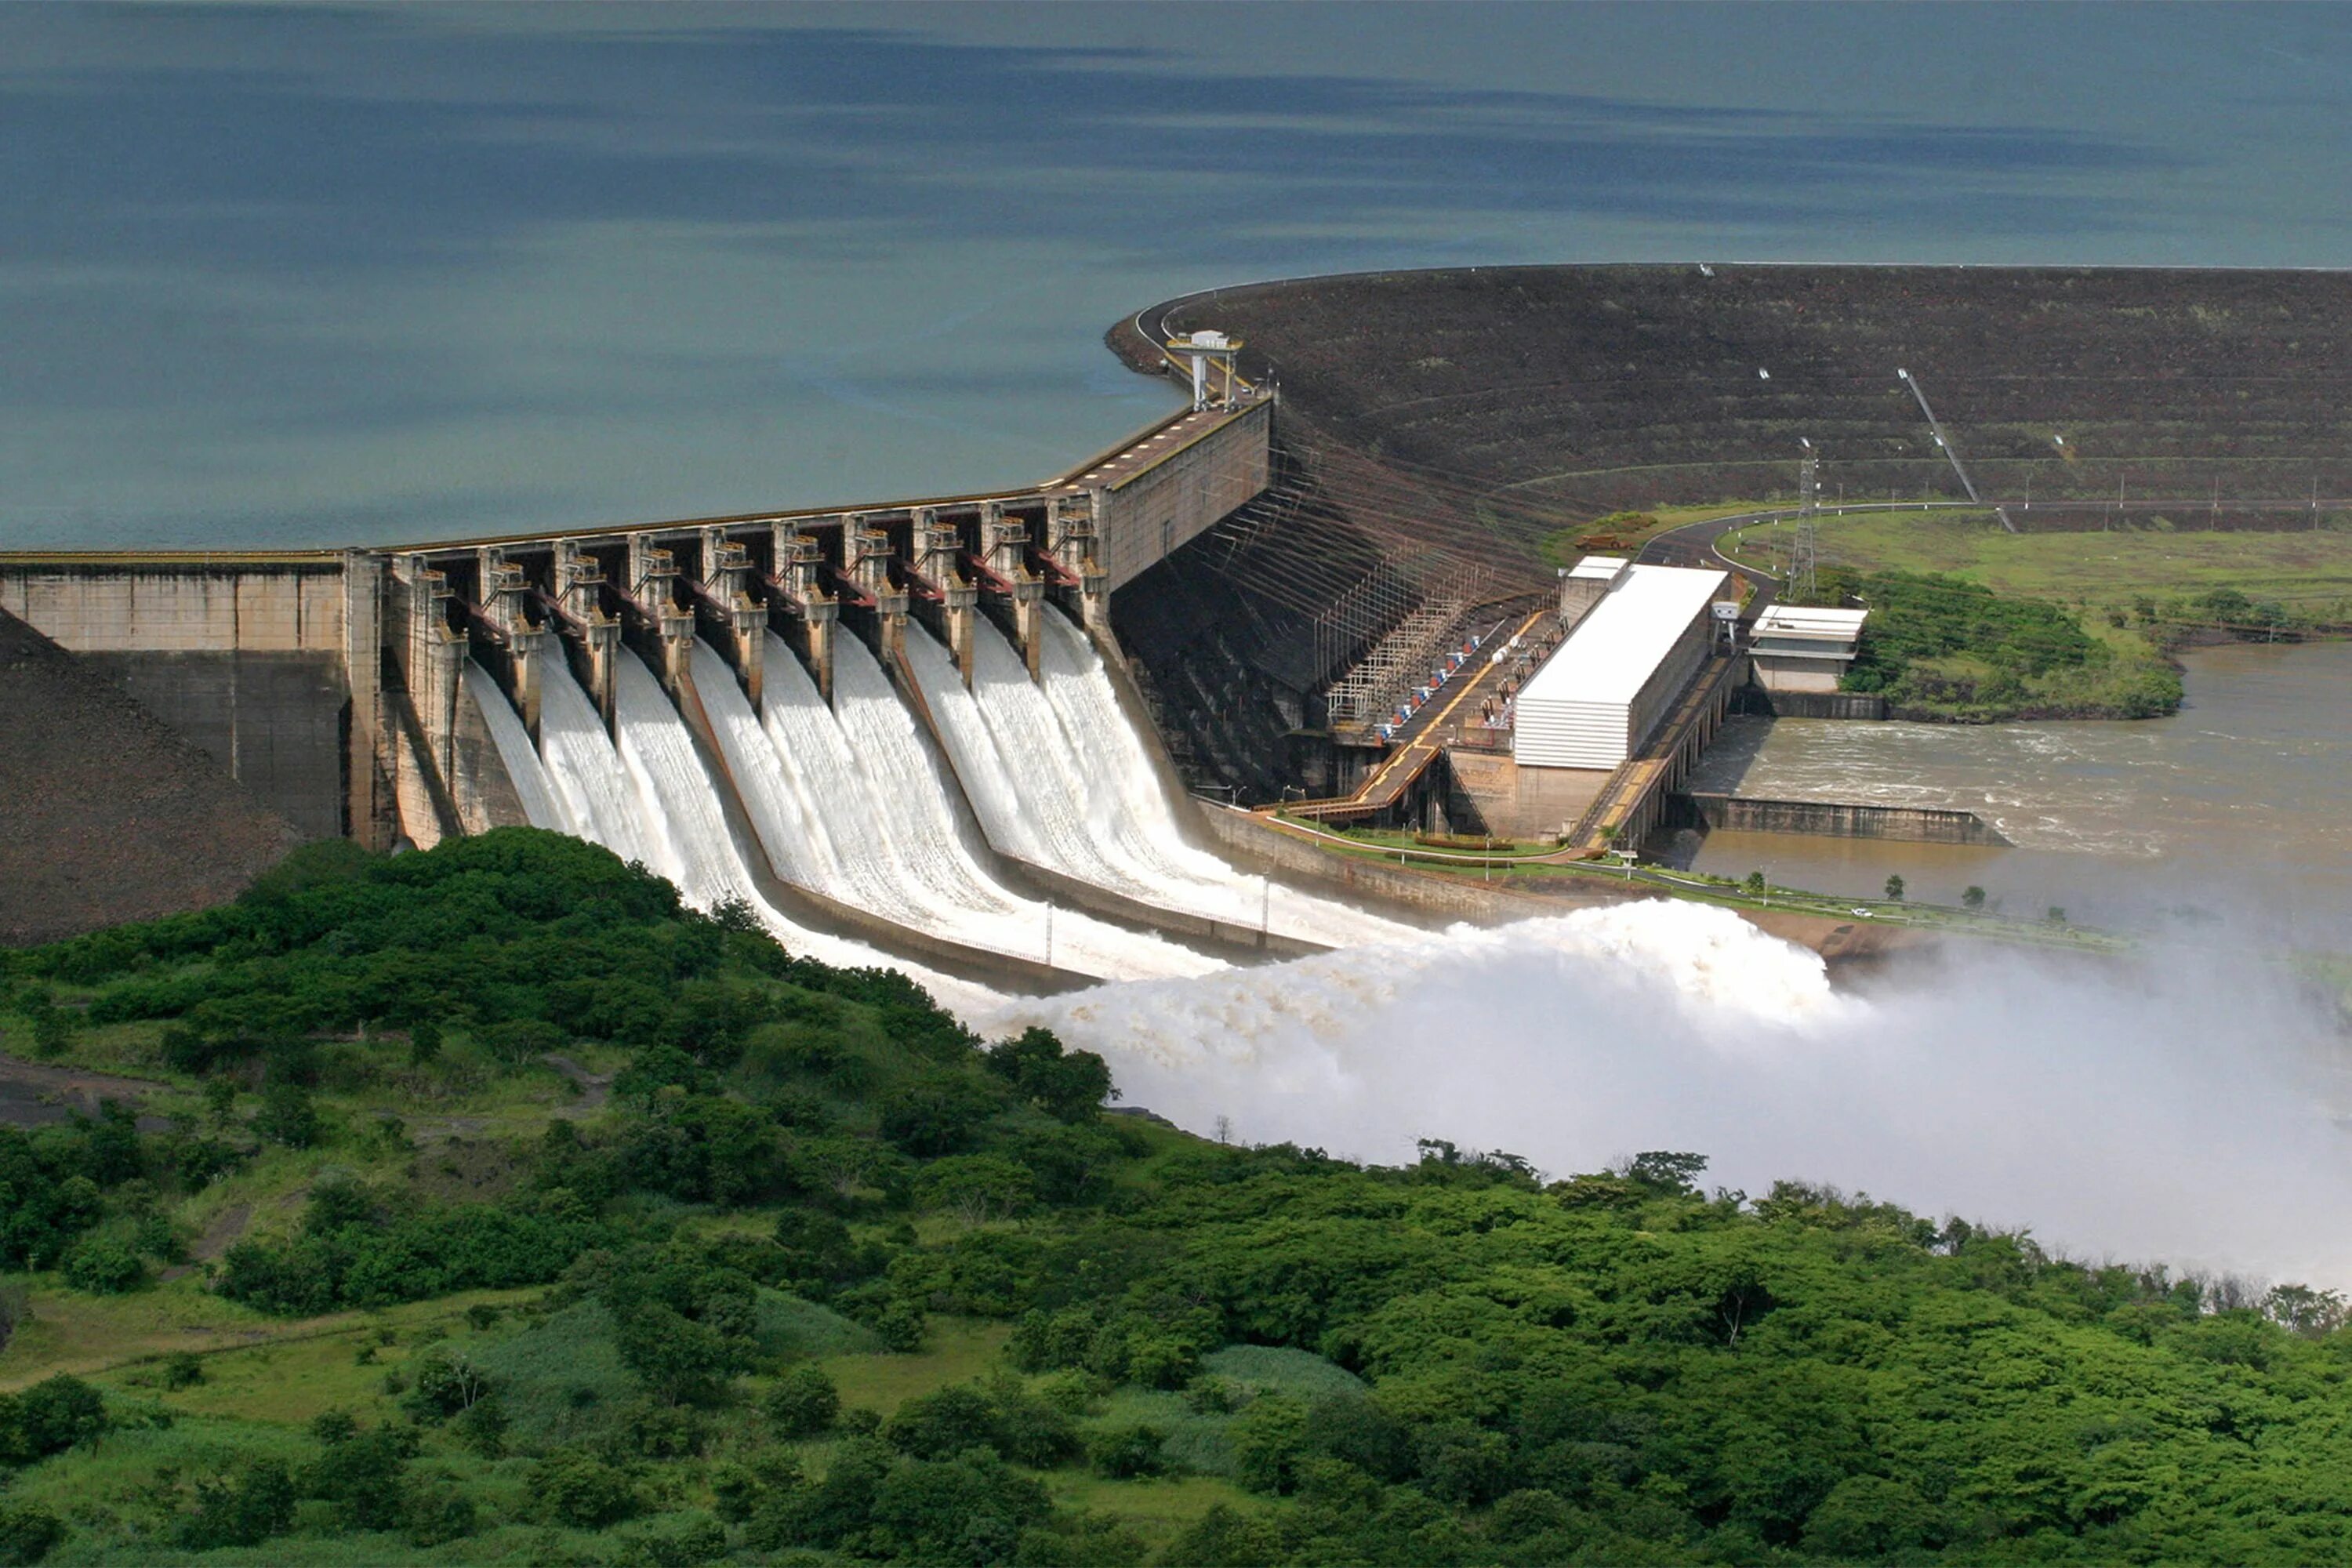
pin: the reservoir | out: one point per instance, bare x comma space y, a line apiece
2124, 822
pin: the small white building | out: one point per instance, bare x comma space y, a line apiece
1604, 689
1805, 649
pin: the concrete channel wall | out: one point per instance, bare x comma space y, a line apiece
1838, 819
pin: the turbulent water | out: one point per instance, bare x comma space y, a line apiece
650, 798
2242, 799
1058, 777
2177, 1109
2180, 1106
595, 795
849, 805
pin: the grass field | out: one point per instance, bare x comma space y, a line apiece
2309, 572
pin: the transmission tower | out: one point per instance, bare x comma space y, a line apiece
1804, 581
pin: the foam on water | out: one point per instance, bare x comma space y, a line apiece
2183, 1108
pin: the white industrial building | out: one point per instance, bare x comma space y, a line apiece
1799, 648
1599, 696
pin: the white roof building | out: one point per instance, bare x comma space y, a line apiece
1597, 699
1802, 648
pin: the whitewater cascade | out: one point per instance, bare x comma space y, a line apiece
1058, 777
2007, 1087
650, 798
541, 807
848, 803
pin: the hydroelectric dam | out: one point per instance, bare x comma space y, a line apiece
899, 733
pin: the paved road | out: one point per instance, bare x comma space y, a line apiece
1692, 544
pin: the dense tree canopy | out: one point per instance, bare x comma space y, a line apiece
1455, 1361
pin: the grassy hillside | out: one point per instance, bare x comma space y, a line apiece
485, 1205
2154, 574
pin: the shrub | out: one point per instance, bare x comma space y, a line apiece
1125, 1452
570, 1488
104, 1266
246, 1512
287, 1116
804, 1403
182, 1369
27, 1535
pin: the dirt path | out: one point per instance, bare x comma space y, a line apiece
42, 1094
595, 1087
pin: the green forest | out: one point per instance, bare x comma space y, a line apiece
1939, 647
494, 1208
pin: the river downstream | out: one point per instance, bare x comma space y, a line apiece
2168, 819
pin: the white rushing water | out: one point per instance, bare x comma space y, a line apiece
541, 807
650, 799
1058, 777
865, 818
589, 784
2183, 1106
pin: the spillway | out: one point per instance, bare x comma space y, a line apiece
650, 798
598, 800
849, 804
541, 807
1058, 777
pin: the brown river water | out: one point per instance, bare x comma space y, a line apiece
2239, 807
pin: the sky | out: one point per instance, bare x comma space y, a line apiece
295, 275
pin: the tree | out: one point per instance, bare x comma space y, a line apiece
1754, 885
423, 1043
287, 1116
104, 1266
1895, 889
1665, 1171
1269, 1441
1069, 1086
570, 1488
446, 1383
1123, 1453
804, 1403
27, 1535
1972, 897
246, 1512
941, 1423
977, 1188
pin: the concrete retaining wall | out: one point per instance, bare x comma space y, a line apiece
1143, 519
174, 605
1840, 819
275, 721
1812, 704
1246, 838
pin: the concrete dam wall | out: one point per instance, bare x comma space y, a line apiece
1838, 819
757, 706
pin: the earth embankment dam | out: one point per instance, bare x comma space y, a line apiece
742, 701
1460, 427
